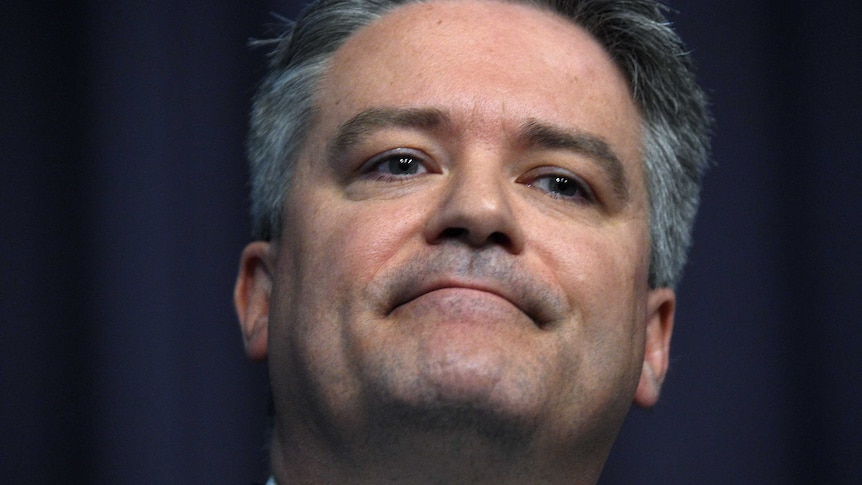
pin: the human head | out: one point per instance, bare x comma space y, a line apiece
635, 34
462, 284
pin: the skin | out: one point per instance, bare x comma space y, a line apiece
471, 320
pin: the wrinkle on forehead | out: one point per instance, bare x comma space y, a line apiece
544, 67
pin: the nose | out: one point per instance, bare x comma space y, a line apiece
476, 209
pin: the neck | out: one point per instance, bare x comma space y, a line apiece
423, 454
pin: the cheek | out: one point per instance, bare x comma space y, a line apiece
342, 245
604, 276
598, 271
333, 250
358, 239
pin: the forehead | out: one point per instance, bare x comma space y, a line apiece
491, 65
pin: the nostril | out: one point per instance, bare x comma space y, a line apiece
500, 238
453, 232
464, 235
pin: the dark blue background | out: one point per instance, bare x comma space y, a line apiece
123, 202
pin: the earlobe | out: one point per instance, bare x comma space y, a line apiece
251, 297
661, 305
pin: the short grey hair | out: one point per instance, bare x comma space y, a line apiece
676, 121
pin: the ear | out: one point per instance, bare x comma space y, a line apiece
661, 305
251, 297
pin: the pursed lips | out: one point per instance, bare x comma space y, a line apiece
518, 297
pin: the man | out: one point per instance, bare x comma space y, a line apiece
471, 217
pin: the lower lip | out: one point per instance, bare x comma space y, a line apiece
460, 306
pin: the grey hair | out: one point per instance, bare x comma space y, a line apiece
634, 32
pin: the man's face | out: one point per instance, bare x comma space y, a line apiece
467, 230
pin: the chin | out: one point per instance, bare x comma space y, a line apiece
464, 391
466, 418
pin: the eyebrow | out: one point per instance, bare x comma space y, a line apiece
535, 134
356, 129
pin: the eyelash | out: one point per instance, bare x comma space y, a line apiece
583, 191
373, 167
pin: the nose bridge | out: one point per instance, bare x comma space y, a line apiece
477, 207
479, 185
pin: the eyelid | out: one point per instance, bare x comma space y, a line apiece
588, 194
370, 165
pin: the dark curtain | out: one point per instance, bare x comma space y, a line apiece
123, 190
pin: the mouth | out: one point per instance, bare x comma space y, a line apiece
516, 296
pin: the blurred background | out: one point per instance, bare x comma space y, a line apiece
124, 193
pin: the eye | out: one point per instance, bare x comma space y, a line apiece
563, 186
398, 163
